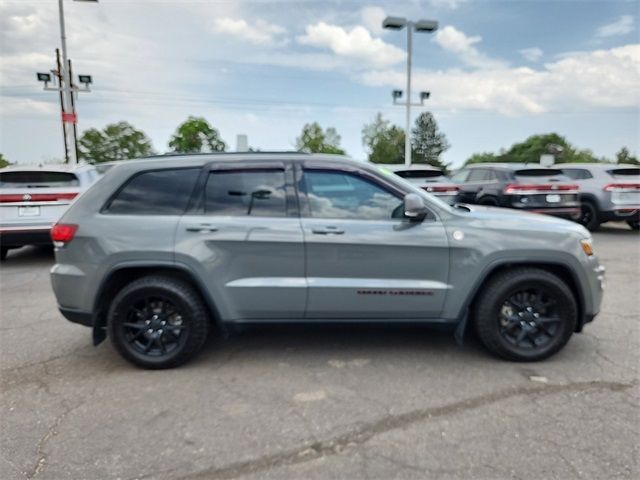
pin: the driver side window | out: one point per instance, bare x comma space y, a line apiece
335, 194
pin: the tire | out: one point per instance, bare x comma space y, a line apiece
533, 291
589, 216
634, 224
3, 253
489, 202
158, 322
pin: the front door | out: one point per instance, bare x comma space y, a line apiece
245, 239
364, 260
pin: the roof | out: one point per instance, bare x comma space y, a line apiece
597, 165
511, 166
49, 167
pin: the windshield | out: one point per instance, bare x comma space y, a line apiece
37, 179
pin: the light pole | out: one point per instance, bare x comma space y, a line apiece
426, 26
67, 89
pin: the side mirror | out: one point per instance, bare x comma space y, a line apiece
414, 207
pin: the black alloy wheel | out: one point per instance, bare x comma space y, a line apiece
588, 216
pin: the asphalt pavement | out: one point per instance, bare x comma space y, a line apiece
319, 403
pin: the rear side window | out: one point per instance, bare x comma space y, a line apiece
257, 193
37, 179
577, 173
159, 192
478, 175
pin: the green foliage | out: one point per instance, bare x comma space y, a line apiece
195, 135
383, 141
533, 147
427, 141
624, 156
313, 139
117, 141
3, 161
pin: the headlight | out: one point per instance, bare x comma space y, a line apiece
587, 247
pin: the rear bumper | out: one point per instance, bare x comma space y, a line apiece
77, 316
19, 236
570, 213
621, 213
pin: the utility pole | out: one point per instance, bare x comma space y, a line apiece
63, 83
428, 26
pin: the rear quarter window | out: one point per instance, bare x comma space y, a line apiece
37, 179
158, 192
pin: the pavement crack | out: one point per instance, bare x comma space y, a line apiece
51, 432
365, 432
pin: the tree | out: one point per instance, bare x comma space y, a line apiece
3, 161
313, 139
195, 135
117, 141
624, 156
383, 141
427, 142
481, 158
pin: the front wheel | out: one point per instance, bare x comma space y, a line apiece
525, 314
158, 322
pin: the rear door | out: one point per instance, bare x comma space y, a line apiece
244, 240
363, 259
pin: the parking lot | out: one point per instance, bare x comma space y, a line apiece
332, 402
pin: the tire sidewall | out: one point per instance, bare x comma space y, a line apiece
190, 311
488, 318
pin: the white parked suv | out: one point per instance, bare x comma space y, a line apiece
32, 199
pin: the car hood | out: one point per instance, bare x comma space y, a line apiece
508, 218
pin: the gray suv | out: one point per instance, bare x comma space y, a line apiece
162, 250
607, 192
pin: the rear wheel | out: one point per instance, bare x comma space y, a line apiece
525, 314
158, 322
589, 216
489, 201
3, 253
634, 224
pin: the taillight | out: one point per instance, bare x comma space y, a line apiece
36, 197
524, 189
62, 233
450, 189
622, 187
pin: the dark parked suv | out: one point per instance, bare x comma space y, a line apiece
514, 185
161, 250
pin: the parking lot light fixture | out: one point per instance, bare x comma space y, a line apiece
425, 26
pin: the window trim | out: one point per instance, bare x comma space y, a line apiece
105, 207
305, 208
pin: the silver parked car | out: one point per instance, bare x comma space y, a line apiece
32, 199
428, 178
608, 192
161, 250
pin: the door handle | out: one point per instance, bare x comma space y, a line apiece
327, 231
202, 228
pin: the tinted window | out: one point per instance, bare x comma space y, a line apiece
625, 172
341, 195
260, 193
418, 173
161, 192
37, 179
478, 175
577, 173
460, 177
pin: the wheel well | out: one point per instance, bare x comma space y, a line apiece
121, 277
561, 271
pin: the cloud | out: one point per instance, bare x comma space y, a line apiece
532, 54
258, 33
453, 40
372, 18
450, 4
356, 44
622, 26
602, 79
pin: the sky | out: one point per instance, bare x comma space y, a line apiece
498, 70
